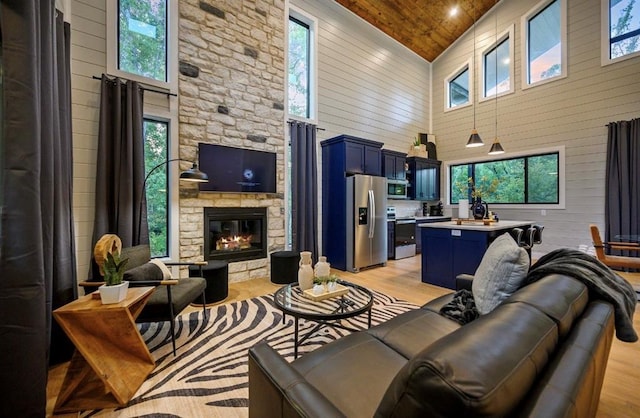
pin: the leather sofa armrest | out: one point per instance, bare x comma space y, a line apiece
277, 390
464, 281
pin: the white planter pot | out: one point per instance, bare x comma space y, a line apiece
113, 294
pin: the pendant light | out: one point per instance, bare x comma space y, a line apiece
496, 148
474, 139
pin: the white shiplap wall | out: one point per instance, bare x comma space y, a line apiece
571, 112
369, 85
88, 58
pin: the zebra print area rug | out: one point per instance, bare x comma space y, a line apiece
209, 375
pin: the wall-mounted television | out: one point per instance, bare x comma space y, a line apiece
237, 170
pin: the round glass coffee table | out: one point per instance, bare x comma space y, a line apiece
291, 300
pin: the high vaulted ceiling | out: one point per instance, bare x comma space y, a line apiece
424, 26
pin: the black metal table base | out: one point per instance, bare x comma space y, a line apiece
323, 323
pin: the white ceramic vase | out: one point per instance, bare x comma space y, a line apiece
322, 269
305, 271
113, 294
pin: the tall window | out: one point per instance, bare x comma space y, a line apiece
496, 64
531, 179
620, 30
142, 41
544, 40
458, 93
156, 141
299, 68
301, 89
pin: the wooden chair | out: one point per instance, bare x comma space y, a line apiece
615, 261
164, 304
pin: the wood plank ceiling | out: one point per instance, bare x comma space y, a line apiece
424, 26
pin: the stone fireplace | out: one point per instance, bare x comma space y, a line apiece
235, 234
231, 87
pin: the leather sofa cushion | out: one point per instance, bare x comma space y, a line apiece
352, 372
411, 332
485, 368
571, 381
562, 298
436, 304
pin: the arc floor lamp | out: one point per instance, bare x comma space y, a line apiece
193, 175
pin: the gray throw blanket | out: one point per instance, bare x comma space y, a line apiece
601, 281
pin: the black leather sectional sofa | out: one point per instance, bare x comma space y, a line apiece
541, 353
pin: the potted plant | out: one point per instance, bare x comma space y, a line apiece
417, 149
107, 255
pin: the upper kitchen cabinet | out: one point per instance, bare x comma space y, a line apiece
393, 164
352, 155
424, 178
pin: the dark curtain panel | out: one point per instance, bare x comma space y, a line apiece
622, 205
37, 254
120, 165
304, 187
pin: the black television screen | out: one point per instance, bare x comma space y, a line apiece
237, 170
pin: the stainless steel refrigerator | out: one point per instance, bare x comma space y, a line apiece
366, 221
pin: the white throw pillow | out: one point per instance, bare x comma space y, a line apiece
501, 272
166, 273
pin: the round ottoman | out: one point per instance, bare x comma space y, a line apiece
216, 273
284, 267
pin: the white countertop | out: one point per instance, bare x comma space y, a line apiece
496, 226
422, 218
431, 218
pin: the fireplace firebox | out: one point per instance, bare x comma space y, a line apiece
235, 234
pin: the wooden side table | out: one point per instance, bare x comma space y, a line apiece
111, 360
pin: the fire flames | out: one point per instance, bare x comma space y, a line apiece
235, 242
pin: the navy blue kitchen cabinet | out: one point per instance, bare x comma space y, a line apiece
393, 164
444, 255
424, 178
342, 156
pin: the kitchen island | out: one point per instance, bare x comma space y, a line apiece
449, 249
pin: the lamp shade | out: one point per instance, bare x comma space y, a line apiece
194, 174
474, 139
496, 148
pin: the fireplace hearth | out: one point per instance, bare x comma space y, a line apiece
235, 234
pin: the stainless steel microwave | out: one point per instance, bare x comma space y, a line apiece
397, 189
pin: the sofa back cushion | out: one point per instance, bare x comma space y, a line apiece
483, 369
562, 298
487, 367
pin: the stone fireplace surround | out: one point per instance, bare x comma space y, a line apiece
232, 73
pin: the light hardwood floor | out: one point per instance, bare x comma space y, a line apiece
401, 279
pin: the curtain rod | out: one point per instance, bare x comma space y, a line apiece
154, 90
290, 121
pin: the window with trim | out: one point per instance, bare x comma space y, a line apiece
620, 30
142, 41
156, 146
530, 179
301, 89
456, 86
497, 66
545, 42
299, 68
